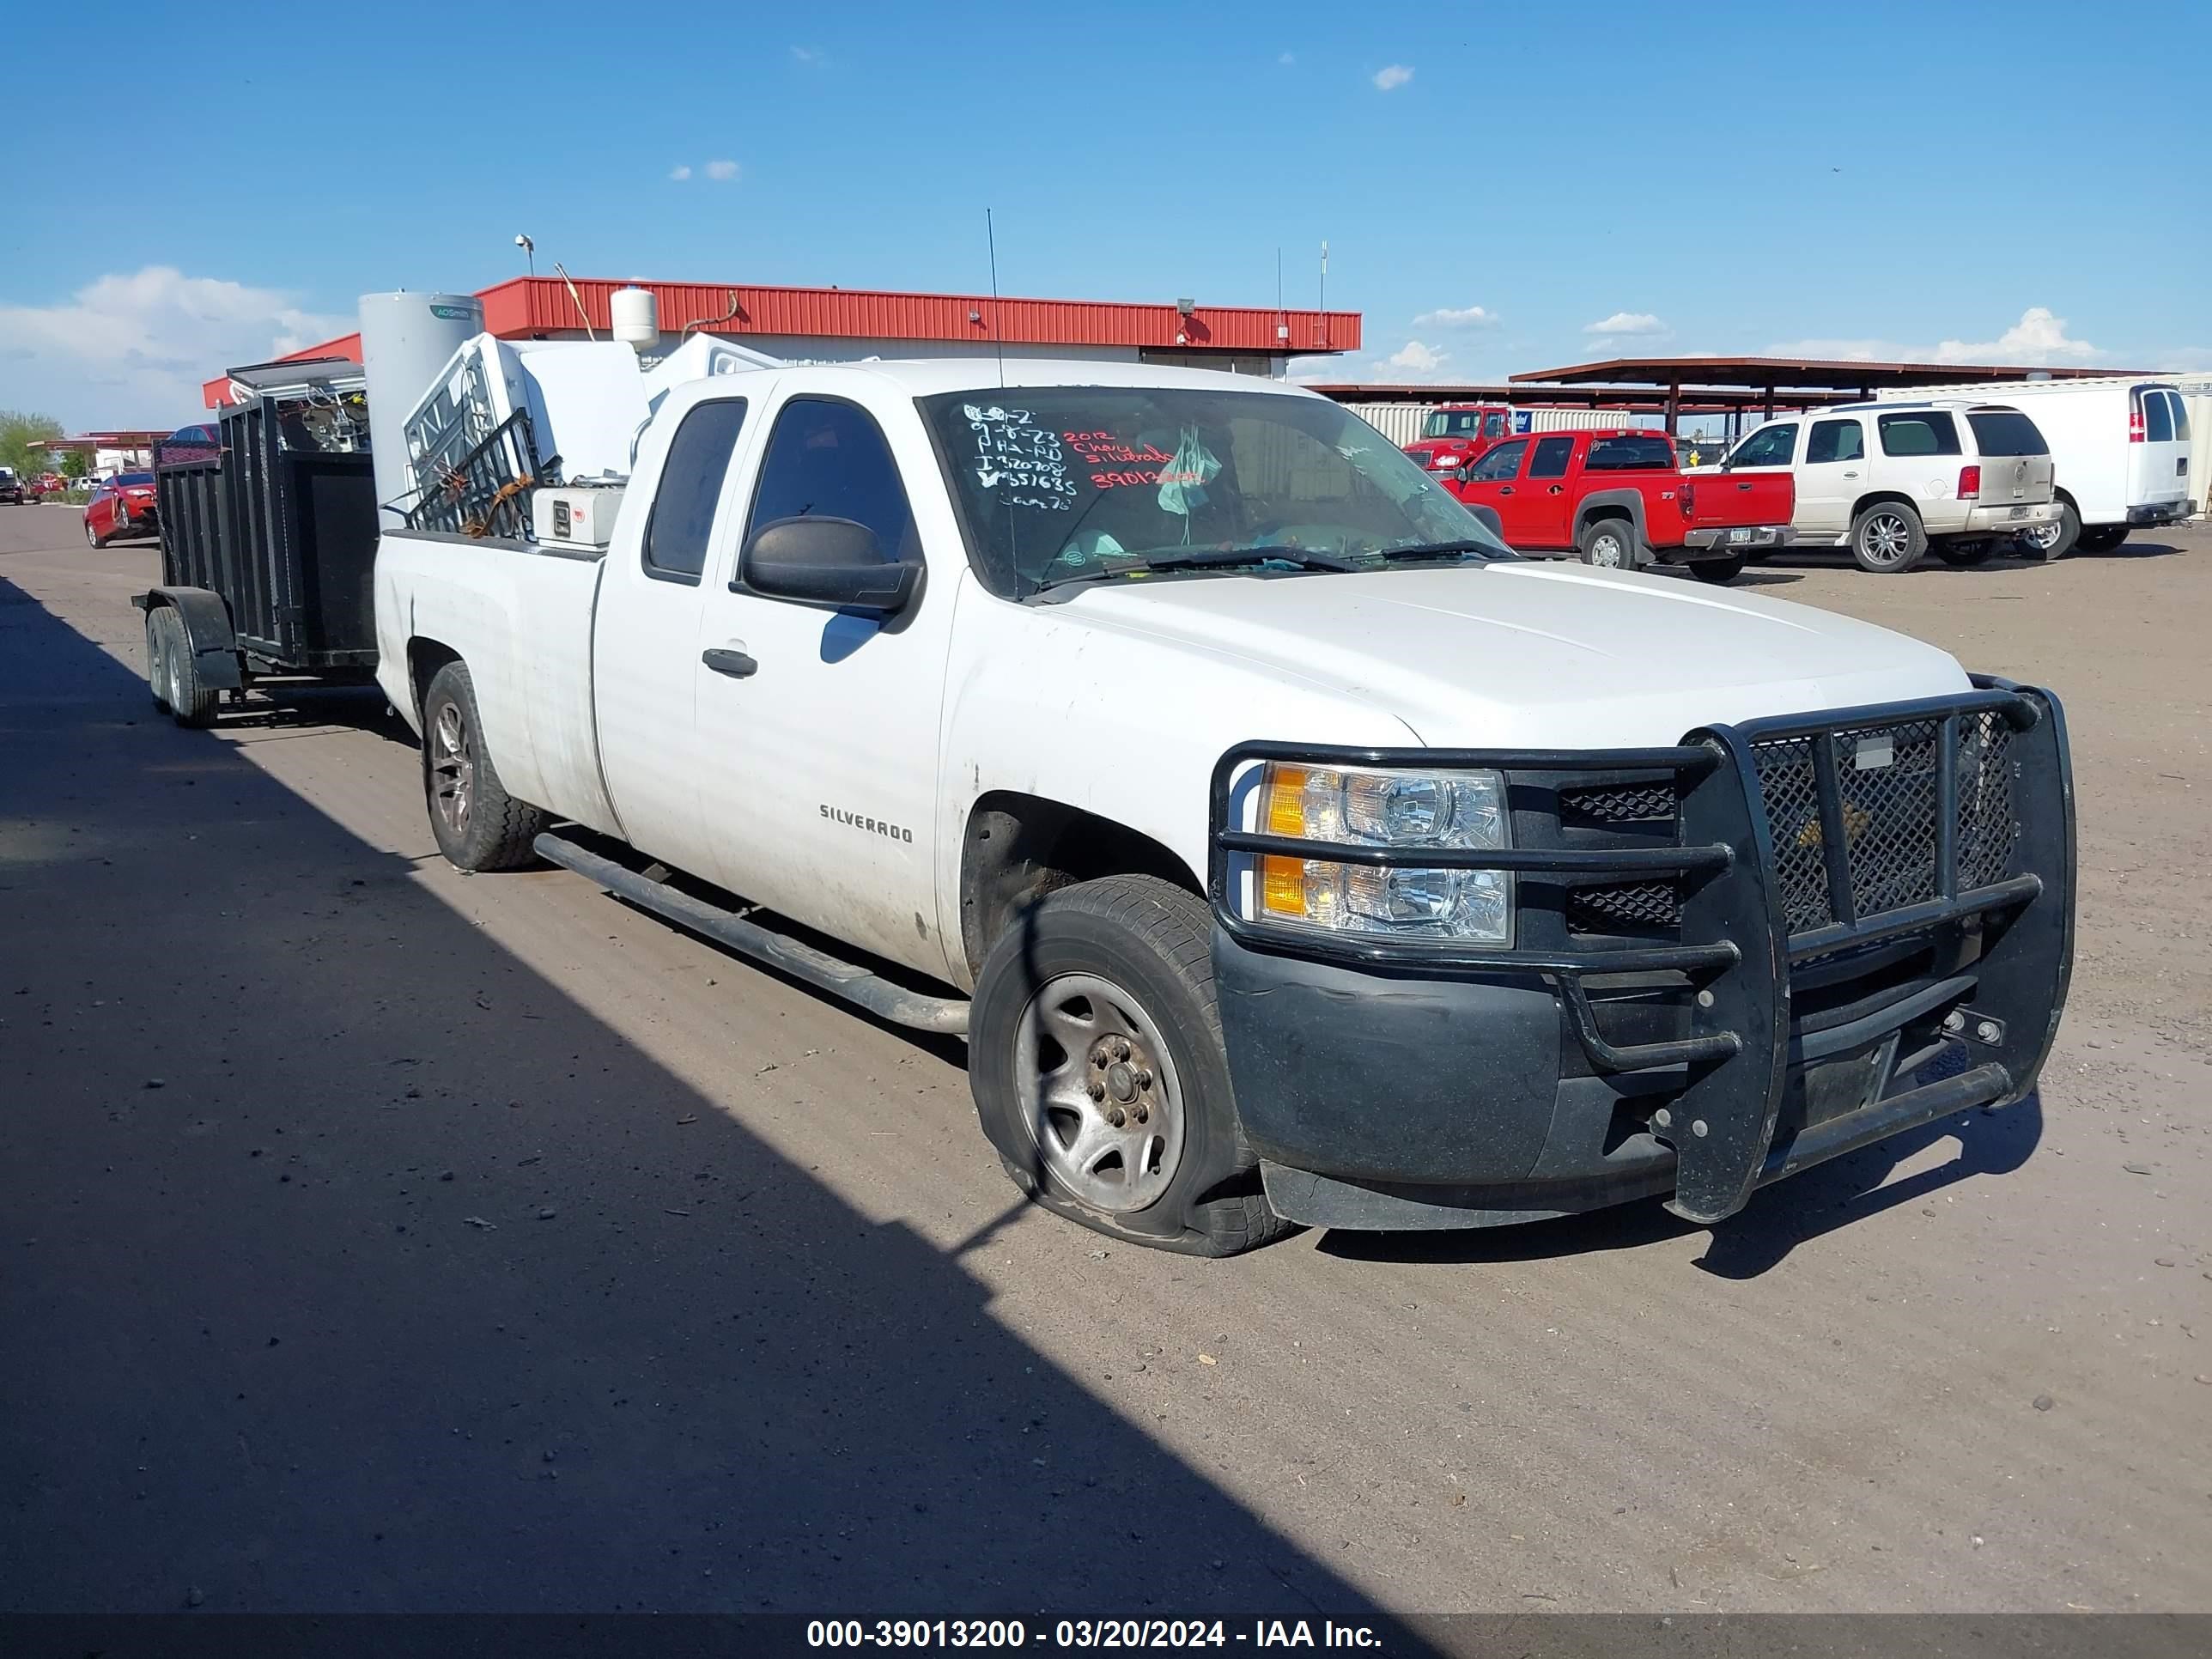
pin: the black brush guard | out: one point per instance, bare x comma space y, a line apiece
1749, 914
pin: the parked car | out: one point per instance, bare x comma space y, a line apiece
1891, 480
1287, 850
122, 506
1618, 500
2119, 455
1457, 433
12, 488
51, 483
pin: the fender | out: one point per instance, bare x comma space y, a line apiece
206, 621
1631, 500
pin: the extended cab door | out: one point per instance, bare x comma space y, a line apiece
815, 741
1756, 480
1833, 477
1547, 496
1491, 483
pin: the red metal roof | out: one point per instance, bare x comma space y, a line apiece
1827, 374
532, 305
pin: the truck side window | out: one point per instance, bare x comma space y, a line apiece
690, 486
1836, 440
829, 458
1550, 460
1770, 446
1932, 433
1500, 464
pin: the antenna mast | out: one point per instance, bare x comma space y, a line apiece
991, 241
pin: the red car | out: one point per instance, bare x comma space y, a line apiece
122, 506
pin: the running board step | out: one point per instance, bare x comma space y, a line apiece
819, 968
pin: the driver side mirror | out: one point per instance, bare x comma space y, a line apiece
835, 563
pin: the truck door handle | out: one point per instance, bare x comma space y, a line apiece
736, 664
1506, 489
1848, 473
1743, 486
1554, 490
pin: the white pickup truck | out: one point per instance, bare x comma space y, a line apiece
1287, 849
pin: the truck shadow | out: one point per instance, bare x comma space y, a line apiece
353, 1265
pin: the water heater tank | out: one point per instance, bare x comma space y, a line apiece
637, 316
405, 340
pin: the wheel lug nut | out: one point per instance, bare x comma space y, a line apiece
1116, 1116
1121, 1049
1098, 1091
1144, 1077
1139, 1112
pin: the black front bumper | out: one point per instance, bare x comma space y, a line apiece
1779, 1009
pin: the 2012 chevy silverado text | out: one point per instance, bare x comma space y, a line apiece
1287, 850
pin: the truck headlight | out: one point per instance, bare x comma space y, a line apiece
1396, 809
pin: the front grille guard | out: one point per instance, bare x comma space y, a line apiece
1736, 943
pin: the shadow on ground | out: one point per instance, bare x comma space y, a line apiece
348, 1264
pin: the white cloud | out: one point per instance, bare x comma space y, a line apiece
1287, 59
1464, 317
1417, 358
133, 350
1626, 322
680, 174
808, 54
2038, 337
1390, 79
721, 171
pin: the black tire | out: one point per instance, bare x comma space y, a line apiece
1888, 538
2102, 537
2059, 542
478, 825
157, 655
190, 704
1145, 941
1608, 544
91, 538
1963, 554
1717, 571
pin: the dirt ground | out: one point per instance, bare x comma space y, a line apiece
377, 1237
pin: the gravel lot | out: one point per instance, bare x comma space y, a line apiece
376, 1238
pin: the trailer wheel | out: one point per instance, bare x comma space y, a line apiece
1099, 1074
478, 825
190, 702
157, 655
1889, 539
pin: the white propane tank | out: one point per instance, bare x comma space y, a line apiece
405, 340
637, 315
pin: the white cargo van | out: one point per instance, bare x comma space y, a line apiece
2119, 450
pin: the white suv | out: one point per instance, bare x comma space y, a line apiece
1891, 481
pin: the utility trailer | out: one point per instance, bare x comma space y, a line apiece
268, 543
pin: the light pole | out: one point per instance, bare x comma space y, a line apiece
529, 251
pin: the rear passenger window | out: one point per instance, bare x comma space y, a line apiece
829, 460
1836, 440
1551, 458
1930, 433
1630, 455
2159, 415
690, 485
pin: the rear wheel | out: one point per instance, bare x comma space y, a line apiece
1717, 570
478, 825
2053, 541
1099, 1073
2102, 538
1963, 554
1608, 543
190, 702
1888, 538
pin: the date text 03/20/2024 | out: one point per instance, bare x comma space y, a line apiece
1085, 1633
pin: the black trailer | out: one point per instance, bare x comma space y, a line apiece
268, 543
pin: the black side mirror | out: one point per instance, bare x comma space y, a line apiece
835, 563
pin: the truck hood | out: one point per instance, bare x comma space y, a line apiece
1534, 654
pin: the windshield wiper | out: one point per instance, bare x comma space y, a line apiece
1489, 550
1201, 558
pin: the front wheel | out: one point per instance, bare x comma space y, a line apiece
2049, 542
1097, 1061
1608, 544
478, 825
1717, 571
1889, 539
92, 537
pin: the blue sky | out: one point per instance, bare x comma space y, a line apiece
1502, 187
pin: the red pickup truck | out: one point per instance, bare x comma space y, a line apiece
1458, 433
1618, 499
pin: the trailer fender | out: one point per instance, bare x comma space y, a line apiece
206, 622
1612, 504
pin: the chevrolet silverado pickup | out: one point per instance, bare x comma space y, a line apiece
1286, 849
1618, 500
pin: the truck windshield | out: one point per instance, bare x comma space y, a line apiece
1053, 484
1462, 424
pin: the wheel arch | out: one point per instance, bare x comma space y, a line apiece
1016, 847
1877, 497
204, 615
425, 657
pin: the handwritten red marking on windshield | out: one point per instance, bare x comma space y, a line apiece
1105, 449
